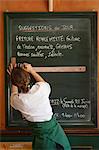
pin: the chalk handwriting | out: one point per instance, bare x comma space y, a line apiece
66, 102
44, 28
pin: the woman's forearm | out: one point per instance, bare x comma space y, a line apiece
36, 76
14, 89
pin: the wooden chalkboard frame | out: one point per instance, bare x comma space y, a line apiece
8, 16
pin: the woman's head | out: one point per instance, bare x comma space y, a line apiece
21, 79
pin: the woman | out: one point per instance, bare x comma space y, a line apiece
34, 104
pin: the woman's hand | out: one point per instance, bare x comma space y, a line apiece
12, 65
10, 68
27, 67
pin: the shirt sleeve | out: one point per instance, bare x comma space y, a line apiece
15, 101
42, 87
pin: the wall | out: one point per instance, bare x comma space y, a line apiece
39, 6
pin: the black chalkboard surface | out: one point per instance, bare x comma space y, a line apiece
62, 48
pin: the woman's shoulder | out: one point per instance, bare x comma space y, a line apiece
39, 86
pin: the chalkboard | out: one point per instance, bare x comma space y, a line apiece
63, 49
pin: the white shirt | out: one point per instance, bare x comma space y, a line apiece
34, 105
